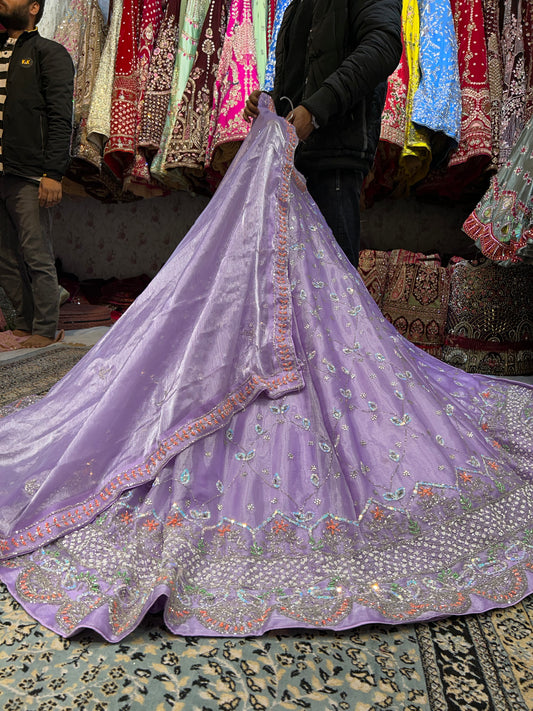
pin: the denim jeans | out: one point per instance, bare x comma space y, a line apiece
337, 194
27, 268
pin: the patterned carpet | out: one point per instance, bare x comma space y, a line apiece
477, 663
462, 663
36, 372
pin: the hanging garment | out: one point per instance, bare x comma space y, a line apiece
86, 158
188, 146
271, 14
236, 79
71, 29
152, 16
437, 100
268, 452
192, 17
54, 12
476, 137
93, 91
527, 29
157, 94
393, 118
90, 50
270, 69
99, 120
259, 22
415, 157
82, 32
415, 298
491, 16
490, 324
474, 153
502, 222
120, 148
373, 268
382, 180
512, 116
105, 7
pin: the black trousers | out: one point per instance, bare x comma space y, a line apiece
27, 269
337, 194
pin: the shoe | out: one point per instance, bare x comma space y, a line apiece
64, 295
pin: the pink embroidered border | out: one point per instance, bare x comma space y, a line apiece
26, 540
489, 244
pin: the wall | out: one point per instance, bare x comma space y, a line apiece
96, 240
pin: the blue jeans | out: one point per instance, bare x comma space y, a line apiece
337, 194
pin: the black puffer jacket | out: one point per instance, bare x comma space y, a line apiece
38, 108
351, 49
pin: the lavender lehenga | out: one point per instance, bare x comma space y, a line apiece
253, 446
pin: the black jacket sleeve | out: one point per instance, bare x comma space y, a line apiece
375, 34
57, 84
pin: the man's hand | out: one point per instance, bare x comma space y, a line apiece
251, 110
302, 120
50, 192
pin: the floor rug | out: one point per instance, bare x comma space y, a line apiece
471, 663
480, 662
36, 372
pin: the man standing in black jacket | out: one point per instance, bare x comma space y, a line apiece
36, 90
333, 58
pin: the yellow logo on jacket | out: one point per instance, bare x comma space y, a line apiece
27, 62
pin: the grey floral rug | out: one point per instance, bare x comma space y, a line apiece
34, 373
462, 663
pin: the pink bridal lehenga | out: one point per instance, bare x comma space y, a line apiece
253, 446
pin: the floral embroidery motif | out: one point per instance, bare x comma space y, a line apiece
502, 222
236, 79
188, 145
361, 481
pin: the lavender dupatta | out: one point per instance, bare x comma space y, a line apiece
256, 445
167, 369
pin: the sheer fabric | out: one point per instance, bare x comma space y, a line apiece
267, 452
53, 14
